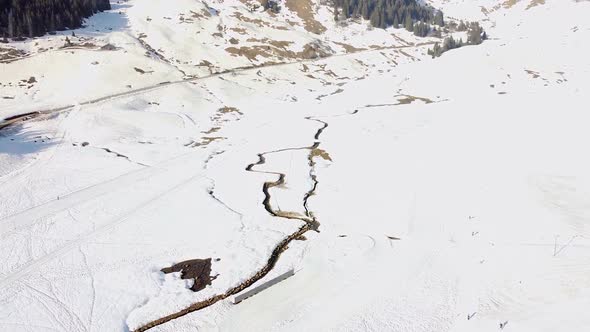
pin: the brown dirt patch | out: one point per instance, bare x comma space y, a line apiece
211, 131
197, 269
407, 99
533, 73
509, 3
203, 14
310, 51
10, 54
317, 152
406, 54
275, 43
241, 31
260, 23
303, 9
535, 3
207, 140
227, 109
349, 48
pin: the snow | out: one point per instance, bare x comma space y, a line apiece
469, 201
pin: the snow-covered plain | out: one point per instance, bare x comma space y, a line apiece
453, 194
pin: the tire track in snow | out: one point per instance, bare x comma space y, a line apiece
31, 215
119, 219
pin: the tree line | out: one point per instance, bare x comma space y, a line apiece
31, 18
475, 36
386, 13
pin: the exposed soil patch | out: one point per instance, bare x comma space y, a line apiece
404, 100
227, 109
8, 55
198, 270
206, 141
117, 154
222, 115
317, 152
141, 71
203, 14
277, 50
78, 46
303, 9
275, 43
260, 23
534, 74
401, 40
349, 48
301, 238
108, 47
407, 99
535, 3
407, 54
509, 3
211, 131
320, 97
241, 31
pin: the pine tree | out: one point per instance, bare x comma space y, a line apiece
375, 19
439, 19
395, 21
399, 13
436, 51
409, 24
421, 29
365, 10
346, 8
449, 43
462, 26
475, 34
36, 17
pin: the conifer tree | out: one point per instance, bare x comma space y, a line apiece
32, 18
395, 21
389, 12
409, 25
439, 19
462, 26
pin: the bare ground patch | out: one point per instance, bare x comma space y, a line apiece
317, 152
199, 270
303, 9
349, 48
8, 55
260, 23
274, 50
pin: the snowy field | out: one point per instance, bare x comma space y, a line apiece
417, 194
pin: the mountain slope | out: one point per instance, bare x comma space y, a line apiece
450, 194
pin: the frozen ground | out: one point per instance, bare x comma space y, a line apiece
451, 194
